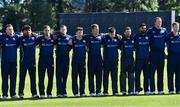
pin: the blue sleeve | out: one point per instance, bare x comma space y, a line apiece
120, 43
86, 37
1, 39
18, 41
38, 40
103, 41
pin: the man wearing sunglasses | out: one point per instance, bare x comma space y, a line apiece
142, 57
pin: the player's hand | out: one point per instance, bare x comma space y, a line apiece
70, 42
119, 36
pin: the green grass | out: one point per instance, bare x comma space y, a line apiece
135, 101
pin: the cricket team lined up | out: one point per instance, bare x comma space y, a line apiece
148, 44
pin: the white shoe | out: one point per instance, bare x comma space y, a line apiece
136, 93
153, 92
76, 95
21, 96
83, 95
14, 97
178, 92
92, 94
131, 93
123, 93
115, 94
49, 96
64, 95
99, 94
35, 96
42, 96
161, 92
59, 95
147, 93
105, 94
171, 92
5, 97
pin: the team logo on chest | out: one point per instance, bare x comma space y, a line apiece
98, 38
162, 31
132, 41
14, 39
24, 40
33, 38
84, 41
7, 39
146, 38
114, 40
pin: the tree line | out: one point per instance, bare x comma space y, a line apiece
40, 12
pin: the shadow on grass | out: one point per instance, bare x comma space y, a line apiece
69, 97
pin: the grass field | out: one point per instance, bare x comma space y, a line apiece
135, 101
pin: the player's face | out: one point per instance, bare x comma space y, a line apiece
29, 32
158, 22
95, 30
176, 28
143, 29
10, 31
79, 33
128, 33
112, 34
63, 30
47, 31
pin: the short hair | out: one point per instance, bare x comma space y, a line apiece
156, 18
26, 27
175, 23
61, 26
94, 25
79, 28
8, 25
111, 29
128, 28
142, 24
46, 26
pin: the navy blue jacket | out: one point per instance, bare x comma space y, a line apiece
27, 48
173, 44
127, 50
62, 46
110, 46
46, 46
79, 49
142, 46
157, 39
94, 45
9, 47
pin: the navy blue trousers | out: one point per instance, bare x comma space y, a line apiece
127, 71
78, 69
173, 67
46, 63
62, 69
142, 65
29, 66
8, 69
95, 70
110, 67
156, 63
